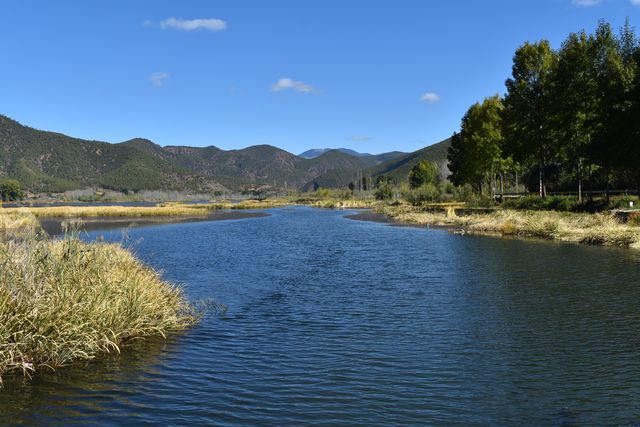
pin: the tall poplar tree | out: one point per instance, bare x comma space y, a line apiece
574, 114
481, 134
528, 106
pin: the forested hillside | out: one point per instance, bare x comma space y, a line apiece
50, 162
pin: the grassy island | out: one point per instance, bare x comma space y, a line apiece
66, 300
163, 209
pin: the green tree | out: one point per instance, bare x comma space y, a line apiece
10, 190
629, 110
456, 156
633, 124
614, 75
528, 106
575, 108
481, 135
384, 191
423, 173
382, 179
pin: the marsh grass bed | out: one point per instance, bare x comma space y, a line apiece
595, 229
165, 209
63, 300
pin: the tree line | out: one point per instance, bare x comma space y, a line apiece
570, 119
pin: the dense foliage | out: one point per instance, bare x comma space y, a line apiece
423, 173
10, 190
570, 117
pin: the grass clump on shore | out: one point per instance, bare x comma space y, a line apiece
66, 300
17, 224
345, 204
595, 229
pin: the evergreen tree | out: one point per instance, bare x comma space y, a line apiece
456, 157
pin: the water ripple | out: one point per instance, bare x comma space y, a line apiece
338, 322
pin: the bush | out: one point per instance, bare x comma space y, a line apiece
384, 192
623, 202
561, 203
10, 190
551, 203
425, 193
447, 189
464, 193
480, 201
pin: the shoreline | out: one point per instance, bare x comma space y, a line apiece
599, 229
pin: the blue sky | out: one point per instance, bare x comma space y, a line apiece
372, 75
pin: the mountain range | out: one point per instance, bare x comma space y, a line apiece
52, 162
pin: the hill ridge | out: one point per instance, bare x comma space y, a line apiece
45, 161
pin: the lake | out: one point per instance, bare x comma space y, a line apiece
332, 321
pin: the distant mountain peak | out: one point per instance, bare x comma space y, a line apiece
316, 152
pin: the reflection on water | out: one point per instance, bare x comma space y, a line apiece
87, 389
56, 225
338, 322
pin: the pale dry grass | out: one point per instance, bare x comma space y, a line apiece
115, 211
596, 229
17, 224
64, 300
255, 204
345, 204
165, 209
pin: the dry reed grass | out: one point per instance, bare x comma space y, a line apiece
112, 211
595, 229
345, 204
165, 209
65, 300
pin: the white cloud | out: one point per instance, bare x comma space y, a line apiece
635, 2
587, 3
193, 24
430, 97
158, 79
287, 83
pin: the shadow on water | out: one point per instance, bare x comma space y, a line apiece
85, 389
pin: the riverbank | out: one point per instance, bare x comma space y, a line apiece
588, 228
593, 229
66, 300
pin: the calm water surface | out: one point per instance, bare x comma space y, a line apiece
332, 321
